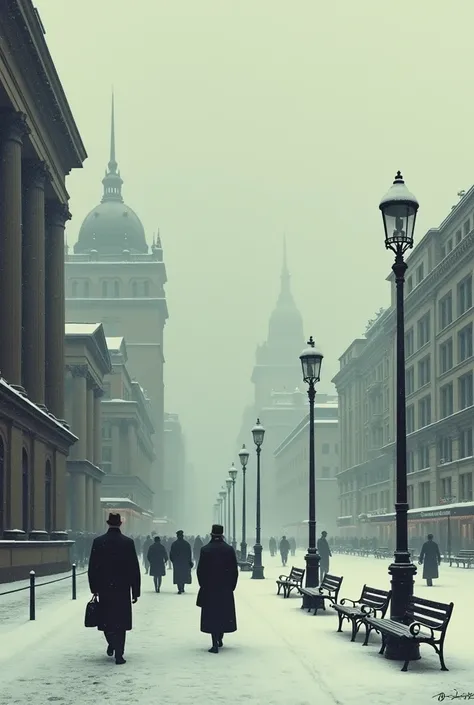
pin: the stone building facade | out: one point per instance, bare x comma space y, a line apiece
87, 362
115, 278
176, 479
127, 435
439, 320
39, 145
292, 472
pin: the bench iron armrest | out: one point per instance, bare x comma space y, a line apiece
347, 599
283, 577
416, 627
369, 611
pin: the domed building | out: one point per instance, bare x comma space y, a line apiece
115, 278
112, 227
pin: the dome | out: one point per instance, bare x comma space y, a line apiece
285, 329
110, 228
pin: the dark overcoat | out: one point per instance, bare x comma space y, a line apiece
181, 558
431, 558
284, 547
324, 553
217, 574
157, 558
114, 575
197, 548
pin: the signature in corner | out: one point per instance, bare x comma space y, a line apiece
455, 695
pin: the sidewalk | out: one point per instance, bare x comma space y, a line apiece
279, 656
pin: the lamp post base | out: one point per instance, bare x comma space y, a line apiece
403, 574
312, 559
257, 571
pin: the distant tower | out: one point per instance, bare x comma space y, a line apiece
113, 278
277, 365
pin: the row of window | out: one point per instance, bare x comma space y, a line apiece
420, 459
464, 488
110, 288
423, 326
465, 399
27, 498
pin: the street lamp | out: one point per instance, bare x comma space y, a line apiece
399, 208
311, 361
223, 495
233, 475
258, 433
228, 483
244, 458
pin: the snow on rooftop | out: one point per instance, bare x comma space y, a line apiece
114, 343
81, 328
37, 408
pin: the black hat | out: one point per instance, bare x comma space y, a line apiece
180, 533
217, 530
114, 520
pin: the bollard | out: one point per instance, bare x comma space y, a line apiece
32, 596
74, 581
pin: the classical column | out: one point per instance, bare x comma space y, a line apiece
80, 500
12, 130
89, 503
90, 425
56, 216
132, 450
98, 518
79, 428
33, 310
116, 464
97, 428
60, 496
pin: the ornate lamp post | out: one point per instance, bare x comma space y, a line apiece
399, 208
223, 495
233, 475
258, 433
228, 483
244, 458
311, 361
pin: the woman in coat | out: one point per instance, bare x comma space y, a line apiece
157, 559
431, 559
217, 574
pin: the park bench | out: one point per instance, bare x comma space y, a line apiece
291, 581
464, 556
382, 552
328, 590
372, 602
248, 563
425, 622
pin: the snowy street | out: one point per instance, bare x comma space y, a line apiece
280, 655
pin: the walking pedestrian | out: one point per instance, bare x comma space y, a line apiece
284, 550
217, 574
181, 559
114, 573
430, 557
157, 559
272, 545
324, 553
146, 545
198, 544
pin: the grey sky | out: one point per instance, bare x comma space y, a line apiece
239, 120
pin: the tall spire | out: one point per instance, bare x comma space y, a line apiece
112, 181
285, 291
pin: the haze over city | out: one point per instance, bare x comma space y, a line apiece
240, 122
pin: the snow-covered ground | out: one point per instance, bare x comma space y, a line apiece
280, 655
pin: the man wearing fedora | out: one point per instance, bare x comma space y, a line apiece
217, 574
114, 575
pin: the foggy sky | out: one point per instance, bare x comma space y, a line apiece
239, 120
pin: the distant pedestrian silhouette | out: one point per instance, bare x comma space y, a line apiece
431, 559
157, 559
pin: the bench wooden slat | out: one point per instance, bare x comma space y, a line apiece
372, 598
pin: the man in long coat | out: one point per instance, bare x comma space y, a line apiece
114, 575
324, 553
181, 558
198, 544
431, 559
217, 573
157, 559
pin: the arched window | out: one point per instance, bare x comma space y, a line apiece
25, 496
104, 290
134, 289
48, 497
116, 290
2, 485
146, 288
86, 289
74, 289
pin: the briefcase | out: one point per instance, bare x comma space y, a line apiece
92, 616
